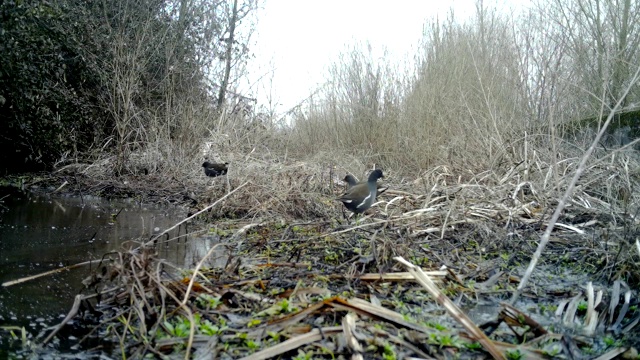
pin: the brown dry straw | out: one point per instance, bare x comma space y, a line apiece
567, 194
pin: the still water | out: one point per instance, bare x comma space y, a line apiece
40, 233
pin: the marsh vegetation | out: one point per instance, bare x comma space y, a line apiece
494, 146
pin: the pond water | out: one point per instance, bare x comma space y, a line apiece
41, 233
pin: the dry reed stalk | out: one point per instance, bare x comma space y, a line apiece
451, 308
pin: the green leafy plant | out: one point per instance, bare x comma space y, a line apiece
180, 328
208, 302
611, 342
285, 306
331, 256
473, 346
436, 326
388, 352
210, 329
304, 356
444, 340
514, 355
274, 336
582, 306
252, 345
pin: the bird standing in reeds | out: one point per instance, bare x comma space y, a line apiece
353, 181
213, 170
360, 196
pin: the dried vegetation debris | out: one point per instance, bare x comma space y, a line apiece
265, 309
309, 268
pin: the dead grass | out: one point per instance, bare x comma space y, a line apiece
285, 278
525, 174
294, 263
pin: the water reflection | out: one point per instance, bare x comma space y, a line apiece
40, 233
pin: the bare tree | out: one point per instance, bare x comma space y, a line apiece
602, 39
236, 50
229, 52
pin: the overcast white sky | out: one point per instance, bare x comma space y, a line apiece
298, 39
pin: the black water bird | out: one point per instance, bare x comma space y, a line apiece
361, 196
352, 181
213, 170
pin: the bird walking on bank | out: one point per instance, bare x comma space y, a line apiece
361, 196
352, 181
213, 170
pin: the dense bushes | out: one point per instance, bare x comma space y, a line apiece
47, 106
116, 77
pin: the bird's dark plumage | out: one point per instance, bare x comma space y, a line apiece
214, 170
352, 181
362, 195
